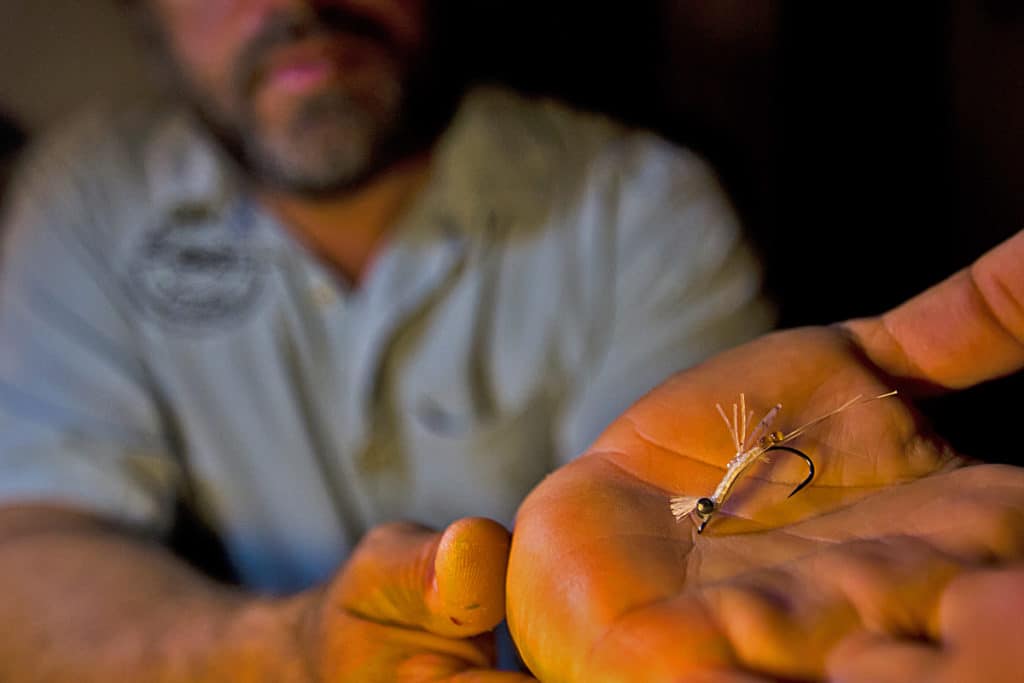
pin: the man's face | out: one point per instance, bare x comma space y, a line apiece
312, 95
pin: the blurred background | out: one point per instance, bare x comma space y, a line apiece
872, 147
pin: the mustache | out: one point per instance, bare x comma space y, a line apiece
285, 27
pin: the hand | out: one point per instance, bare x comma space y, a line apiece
969, 632
413, 605
604, 585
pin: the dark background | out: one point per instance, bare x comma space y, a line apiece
873, 148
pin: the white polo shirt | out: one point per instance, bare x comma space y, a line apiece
162, 338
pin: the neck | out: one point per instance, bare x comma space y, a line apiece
348, 231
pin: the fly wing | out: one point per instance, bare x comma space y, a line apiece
761, 429
729, 425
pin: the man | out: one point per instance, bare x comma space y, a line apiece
351, 308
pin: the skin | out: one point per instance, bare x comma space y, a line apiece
257, 69
91, 602
317, 101
85, 600
604, 585
970, 627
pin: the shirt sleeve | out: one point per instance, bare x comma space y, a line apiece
79, 425
684, 282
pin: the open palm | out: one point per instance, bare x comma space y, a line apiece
606, 585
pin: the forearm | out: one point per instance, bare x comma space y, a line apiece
86, 602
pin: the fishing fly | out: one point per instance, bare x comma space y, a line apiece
749, 449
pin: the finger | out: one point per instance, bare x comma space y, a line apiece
980, 613
437, 668
965, 330
785, 620
869, 658
468, 591
358, 649
979, 604
779, 623
757, 623
972, 513
894, 584
450, 583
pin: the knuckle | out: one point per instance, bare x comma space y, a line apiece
994, 587
878, 577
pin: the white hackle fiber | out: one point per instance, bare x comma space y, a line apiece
683, 505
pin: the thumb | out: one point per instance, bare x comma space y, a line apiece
965, 330
450, 583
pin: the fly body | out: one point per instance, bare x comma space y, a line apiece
749, 449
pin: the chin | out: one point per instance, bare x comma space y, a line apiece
319, 155
325, 170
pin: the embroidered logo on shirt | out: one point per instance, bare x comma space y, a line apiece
192, 273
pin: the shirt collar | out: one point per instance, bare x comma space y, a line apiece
496, 160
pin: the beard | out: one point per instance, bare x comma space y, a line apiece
340, 136
333, 140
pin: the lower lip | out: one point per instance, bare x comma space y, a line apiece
297, 78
